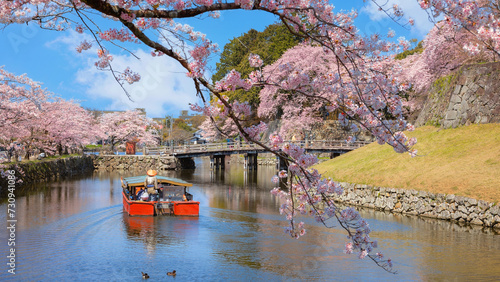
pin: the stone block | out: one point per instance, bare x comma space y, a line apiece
445, 215
460, 200
477, 119
488, 220
472, 202
450, 199
495, 210
483, 205
466, 97
422, 194
389, 204
456, 215
465, 88
406, 207
464, 106
455, 99
451, 115
473, 87
472, 216
463, 209
451, 107
476, 221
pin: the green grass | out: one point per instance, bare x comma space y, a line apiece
463, 161
48, 158
93, 146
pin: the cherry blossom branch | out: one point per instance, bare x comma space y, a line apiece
102, 49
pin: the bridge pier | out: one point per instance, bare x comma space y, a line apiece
281, 164
250, 161
187, 163
217, 161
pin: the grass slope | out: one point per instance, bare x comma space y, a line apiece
463, 161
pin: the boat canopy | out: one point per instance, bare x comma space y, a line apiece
139, 181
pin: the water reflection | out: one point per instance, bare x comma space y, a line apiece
76, 230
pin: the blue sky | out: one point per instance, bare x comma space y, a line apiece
50, 58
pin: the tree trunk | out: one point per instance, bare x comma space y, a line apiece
59, 149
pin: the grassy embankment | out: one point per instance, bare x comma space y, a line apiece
464, 161
46, 159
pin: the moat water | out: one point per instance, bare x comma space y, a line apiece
75, 230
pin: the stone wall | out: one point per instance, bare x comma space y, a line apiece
140, 162
424, 204
470, 95
46, 170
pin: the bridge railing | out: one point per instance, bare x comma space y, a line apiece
207, 147
236, 146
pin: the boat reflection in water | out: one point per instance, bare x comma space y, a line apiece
159, 232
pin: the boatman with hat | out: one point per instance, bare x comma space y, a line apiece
151, 183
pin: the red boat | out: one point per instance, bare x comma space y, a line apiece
173, 197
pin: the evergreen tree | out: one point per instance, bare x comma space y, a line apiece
269, 44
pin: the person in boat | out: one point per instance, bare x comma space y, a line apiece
151, 184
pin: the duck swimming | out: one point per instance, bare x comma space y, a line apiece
171, 273
145, 275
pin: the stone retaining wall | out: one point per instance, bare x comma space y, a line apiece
424, 204
46, 170
470, 95
140, 162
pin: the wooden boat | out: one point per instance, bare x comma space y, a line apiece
173, 197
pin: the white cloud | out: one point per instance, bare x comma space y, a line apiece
163, 88
411, 9
71, 40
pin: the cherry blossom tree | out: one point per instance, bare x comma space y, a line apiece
479, 17
307, 81
120, 127
356, 76
34, 118
443, 52
64, 124
20, 104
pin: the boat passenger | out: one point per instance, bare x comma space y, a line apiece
151, 183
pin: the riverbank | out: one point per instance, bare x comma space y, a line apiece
464, 161
455, 177
454, 208
30, 172
34, 171
140, 162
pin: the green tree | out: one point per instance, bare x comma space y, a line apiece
182, 128
269, 44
